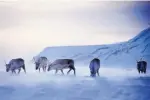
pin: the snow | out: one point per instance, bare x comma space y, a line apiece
123, 53
119, 79
113, 84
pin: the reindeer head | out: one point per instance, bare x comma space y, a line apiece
7, 67
139, 62
93, 73
49, 67
36, 63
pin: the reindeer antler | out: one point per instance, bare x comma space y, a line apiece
5, 62
34, 59
136, 60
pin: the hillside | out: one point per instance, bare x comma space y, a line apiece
119, 54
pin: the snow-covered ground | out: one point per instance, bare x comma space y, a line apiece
113, 84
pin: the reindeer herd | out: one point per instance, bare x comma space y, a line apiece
41, 63
61, 64
57, 65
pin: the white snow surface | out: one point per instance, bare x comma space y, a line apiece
112, 84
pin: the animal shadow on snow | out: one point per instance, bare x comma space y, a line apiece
144, 80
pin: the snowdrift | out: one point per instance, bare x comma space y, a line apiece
119, 84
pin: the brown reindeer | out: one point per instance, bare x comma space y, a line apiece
94, 67
15, 64
61, 64
41, 62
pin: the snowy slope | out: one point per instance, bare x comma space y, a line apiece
122, 54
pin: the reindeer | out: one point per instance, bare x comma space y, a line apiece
15, 64
41, 62
141, 66
94, 67
61, 64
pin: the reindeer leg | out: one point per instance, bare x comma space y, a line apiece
43, 68
62, 72
69, 71
74, 71
73, 68
145, 71
97, 72
19, 71
24, 68
56, 71
14, 71
139, 71
39, 70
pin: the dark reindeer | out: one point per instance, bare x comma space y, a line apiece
94, 67
141, 66
15, 64
41, 62
61, 64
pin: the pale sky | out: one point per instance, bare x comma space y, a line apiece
28, 26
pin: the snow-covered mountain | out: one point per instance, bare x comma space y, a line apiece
119, 54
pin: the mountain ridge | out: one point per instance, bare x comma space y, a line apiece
125, 52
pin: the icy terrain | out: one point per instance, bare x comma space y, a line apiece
113, 84
119, 79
